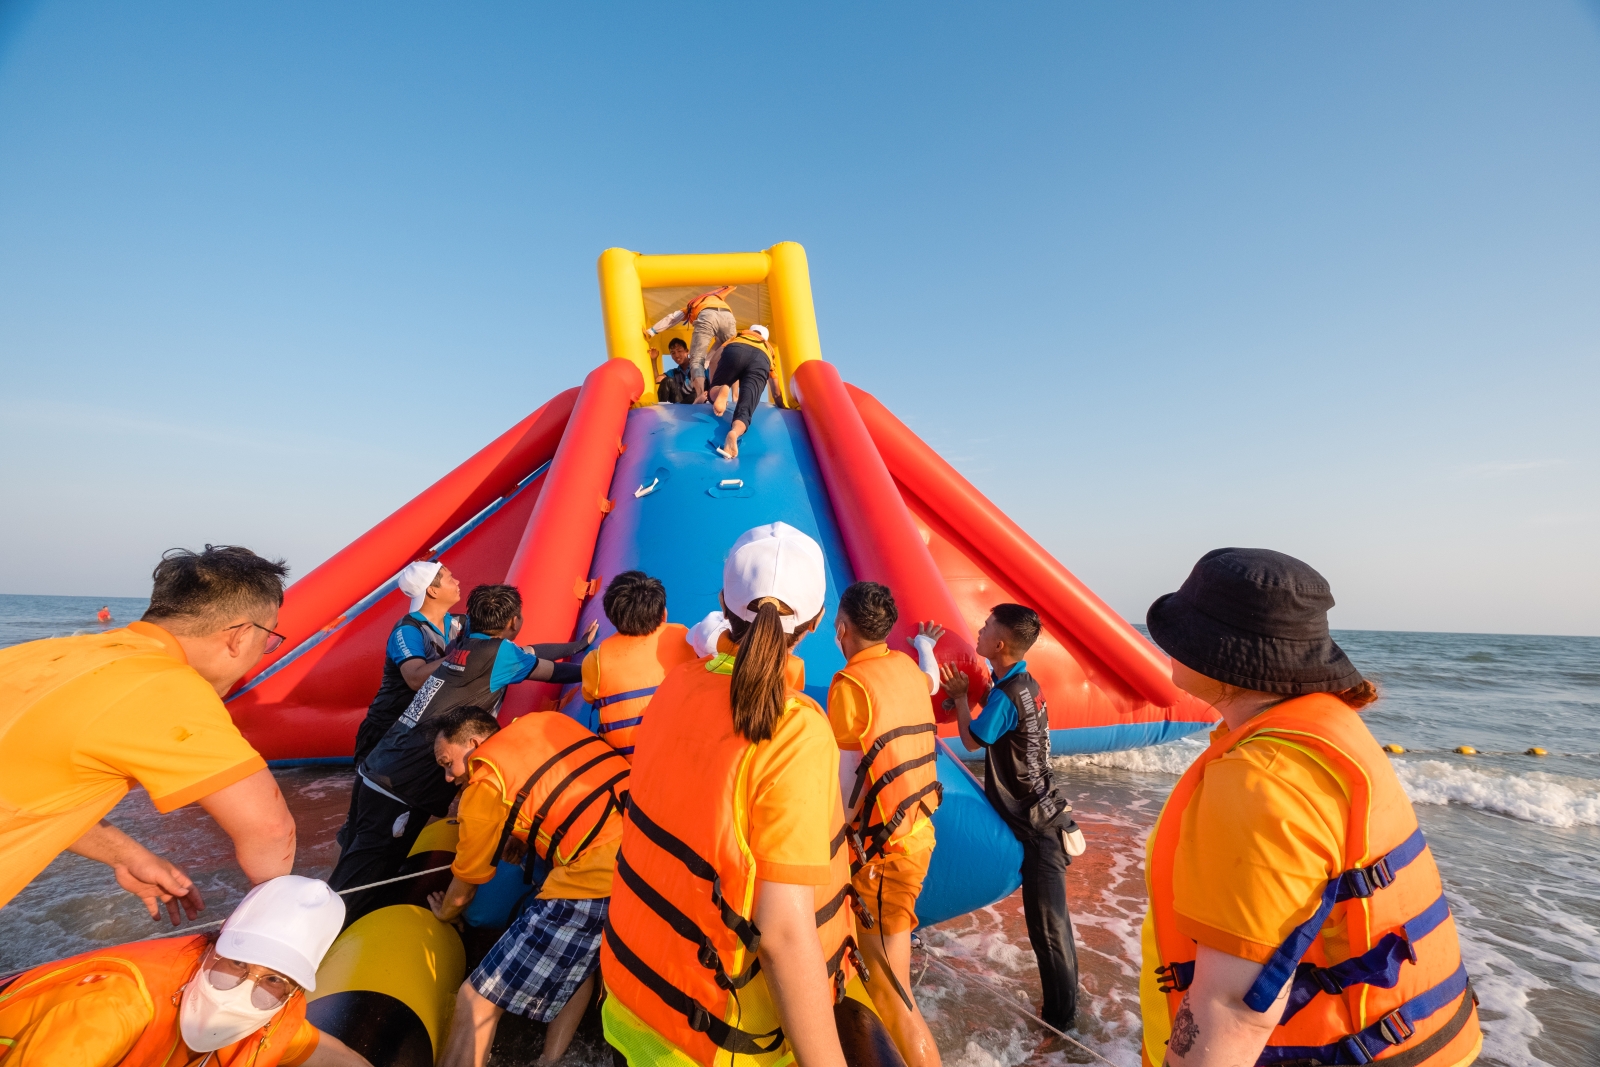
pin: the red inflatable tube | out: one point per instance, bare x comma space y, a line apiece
551, 567
371, 559
877, 530
1056, 593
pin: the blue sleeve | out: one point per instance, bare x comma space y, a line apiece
512, 664
405, 642
998, 719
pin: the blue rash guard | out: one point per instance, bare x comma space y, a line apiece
999, 715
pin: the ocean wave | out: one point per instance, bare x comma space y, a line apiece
1171, 758
1535, 797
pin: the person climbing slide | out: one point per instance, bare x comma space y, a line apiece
739, 375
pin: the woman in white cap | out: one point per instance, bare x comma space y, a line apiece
739, 373
234, 998
728, 930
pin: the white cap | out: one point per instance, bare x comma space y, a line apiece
762, 330
415, 580
775, 560
286, 923
702, 636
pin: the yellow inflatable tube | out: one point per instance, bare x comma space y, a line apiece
387, 987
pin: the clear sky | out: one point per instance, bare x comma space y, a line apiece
1158, 278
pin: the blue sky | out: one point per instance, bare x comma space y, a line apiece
1158, 278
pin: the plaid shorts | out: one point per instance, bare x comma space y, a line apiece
544, 957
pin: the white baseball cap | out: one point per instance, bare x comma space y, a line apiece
762, 330
775, 560
702, 636
286, 923
415, 580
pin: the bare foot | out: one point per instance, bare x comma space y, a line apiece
719, 399
730, 445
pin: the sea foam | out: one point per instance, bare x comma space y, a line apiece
1533, 797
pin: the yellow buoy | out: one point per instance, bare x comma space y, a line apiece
1466, 750
1394, 749
1536, 751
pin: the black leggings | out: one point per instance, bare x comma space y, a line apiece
750, 367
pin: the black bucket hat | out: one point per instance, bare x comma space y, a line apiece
1254, 618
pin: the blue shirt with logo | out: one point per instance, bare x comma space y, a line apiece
999, 716
407, 643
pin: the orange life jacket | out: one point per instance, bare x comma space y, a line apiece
160, 969
680, 947
753, 339
713, 299
897, 782
1399, 992
628, 670
569, 784
794, 668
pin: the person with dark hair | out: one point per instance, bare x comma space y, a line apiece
84, 719
416, 644
543, 790
623, 671
1296, 912
675, 386
399, 786
735, 784
713, 326
1013, 729
739, 374
882, 719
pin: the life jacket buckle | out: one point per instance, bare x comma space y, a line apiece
1394, 1028
1357, 1051
1365, 881
1170, 979
1325, 979
699, 1019
708, 957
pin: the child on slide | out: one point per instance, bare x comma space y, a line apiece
739, 374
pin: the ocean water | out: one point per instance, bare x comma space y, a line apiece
1517, 838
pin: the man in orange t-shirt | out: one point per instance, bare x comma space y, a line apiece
84, 719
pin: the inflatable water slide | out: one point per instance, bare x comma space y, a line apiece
602, 479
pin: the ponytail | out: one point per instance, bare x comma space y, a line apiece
1359, 695
757, 690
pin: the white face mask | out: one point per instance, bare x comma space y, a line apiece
212, 1018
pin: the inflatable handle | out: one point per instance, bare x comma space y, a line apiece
876, 526
318, 597
1066, 603
557, 546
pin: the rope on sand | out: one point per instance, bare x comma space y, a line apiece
1011, 1002
342, 893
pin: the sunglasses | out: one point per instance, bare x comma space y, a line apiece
274, 638
271, 989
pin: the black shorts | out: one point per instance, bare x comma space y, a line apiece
750, 367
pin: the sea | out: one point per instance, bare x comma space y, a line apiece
1517, 838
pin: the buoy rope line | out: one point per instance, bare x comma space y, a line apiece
1468, 750
1016, 1005
342, 893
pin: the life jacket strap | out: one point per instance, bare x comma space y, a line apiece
1378, 966
1357, 882
877, 746
607, 791
537, 822
876, 839
527, 787
888, 777
701, 1021
698, 866
614, 698
1395, 1028
687, 929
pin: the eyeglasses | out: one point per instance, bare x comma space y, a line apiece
274, 638
271, 988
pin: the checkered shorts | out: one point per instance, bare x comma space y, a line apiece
538, 963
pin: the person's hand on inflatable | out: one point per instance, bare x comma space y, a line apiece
590, 634
927, 629
159, 883
955, 679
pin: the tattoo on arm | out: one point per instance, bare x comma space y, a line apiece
1184, 1029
